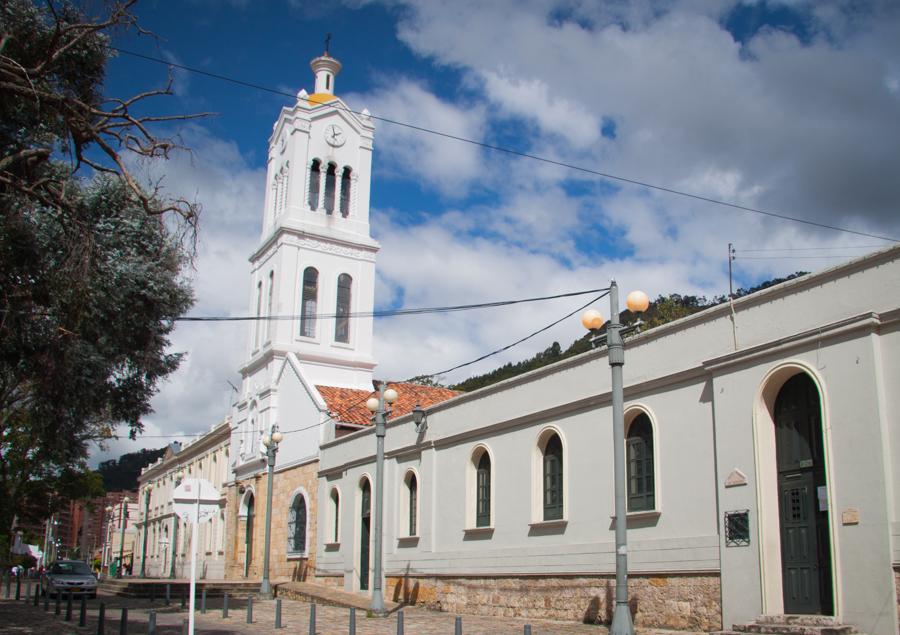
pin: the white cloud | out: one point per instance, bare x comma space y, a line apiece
448, 165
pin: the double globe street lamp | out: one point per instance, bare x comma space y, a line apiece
376, 405
147, 491
270, 442
592, 320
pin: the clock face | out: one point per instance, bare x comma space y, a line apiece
334, 135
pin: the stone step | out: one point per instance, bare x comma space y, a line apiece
792, 629
799, 620
329, 596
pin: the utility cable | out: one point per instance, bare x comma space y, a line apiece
347, 409
518, 153
384, 313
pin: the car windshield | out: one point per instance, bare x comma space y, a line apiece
70, 568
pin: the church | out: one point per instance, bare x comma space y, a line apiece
307, 376
762, 436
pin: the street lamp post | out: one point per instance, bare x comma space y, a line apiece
107, 548
637, 302
376, 405
147, 491
122, 518
270, 442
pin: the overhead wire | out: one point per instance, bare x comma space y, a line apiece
386, 312
345, 410
518, 153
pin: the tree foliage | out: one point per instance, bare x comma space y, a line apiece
122, 474
90, 264
666, 308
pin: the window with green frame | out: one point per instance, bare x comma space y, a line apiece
639, 457
553, 478
483, 491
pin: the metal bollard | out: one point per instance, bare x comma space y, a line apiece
123, 623
250, 610
6, 582
225, 605
101, 619
168, 594
46, 602
527, 630
457, 627
277, 612
28, 591
352, 621
18, 588
82, 612
312, 619
185, 627
399, 622
57, 600
37, 594
69, 607
151, 623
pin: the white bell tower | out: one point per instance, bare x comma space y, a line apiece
314, 268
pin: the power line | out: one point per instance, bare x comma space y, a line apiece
749, 251
524, 155
347, 409
384, 313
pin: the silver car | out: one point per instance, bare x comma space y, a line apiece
66, 576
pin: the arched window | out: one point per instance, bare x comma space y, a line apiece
269, 305
335, 516
639, 460
315, 177
483, 491
342, 311
412, 502
345, 192
330, 183
259, 293
553, 478
309, 304
297, 525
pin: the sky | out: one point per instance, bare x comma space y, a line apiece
790, 107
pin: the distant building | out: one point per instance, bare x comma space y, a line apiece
166, 536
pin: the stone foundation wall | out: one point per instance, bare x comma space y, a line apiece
676, 601
281, 563
897, 589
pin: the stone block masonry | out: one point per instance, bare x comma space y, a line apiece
282, 563
689, 601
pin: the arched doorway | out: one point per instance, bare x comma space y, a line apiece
248, 534
802, 498
364, 533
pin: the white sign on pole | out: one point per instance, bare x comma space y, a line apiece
195, 500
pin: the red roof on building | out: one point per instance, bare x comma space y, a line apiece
348, 405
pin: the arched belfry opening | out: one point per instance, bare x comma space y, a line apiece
803, 510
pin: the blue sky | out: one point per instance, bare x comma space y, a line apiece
792, 107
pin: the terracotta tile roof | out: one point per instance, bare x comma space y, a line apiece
348, 405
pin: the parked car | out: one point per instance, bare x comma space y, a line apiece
66, 576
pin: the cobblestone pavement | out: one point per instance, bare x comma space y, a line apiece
21, 618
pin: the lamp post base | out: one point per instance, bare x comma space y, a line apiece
621, 622
265, 591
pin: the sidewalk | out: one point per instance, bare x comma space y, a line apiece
20, 618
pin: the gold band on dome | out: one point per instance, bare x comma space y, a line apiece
320, 98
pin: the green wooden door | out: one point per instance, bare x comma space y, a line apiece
803, 505
365, 530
